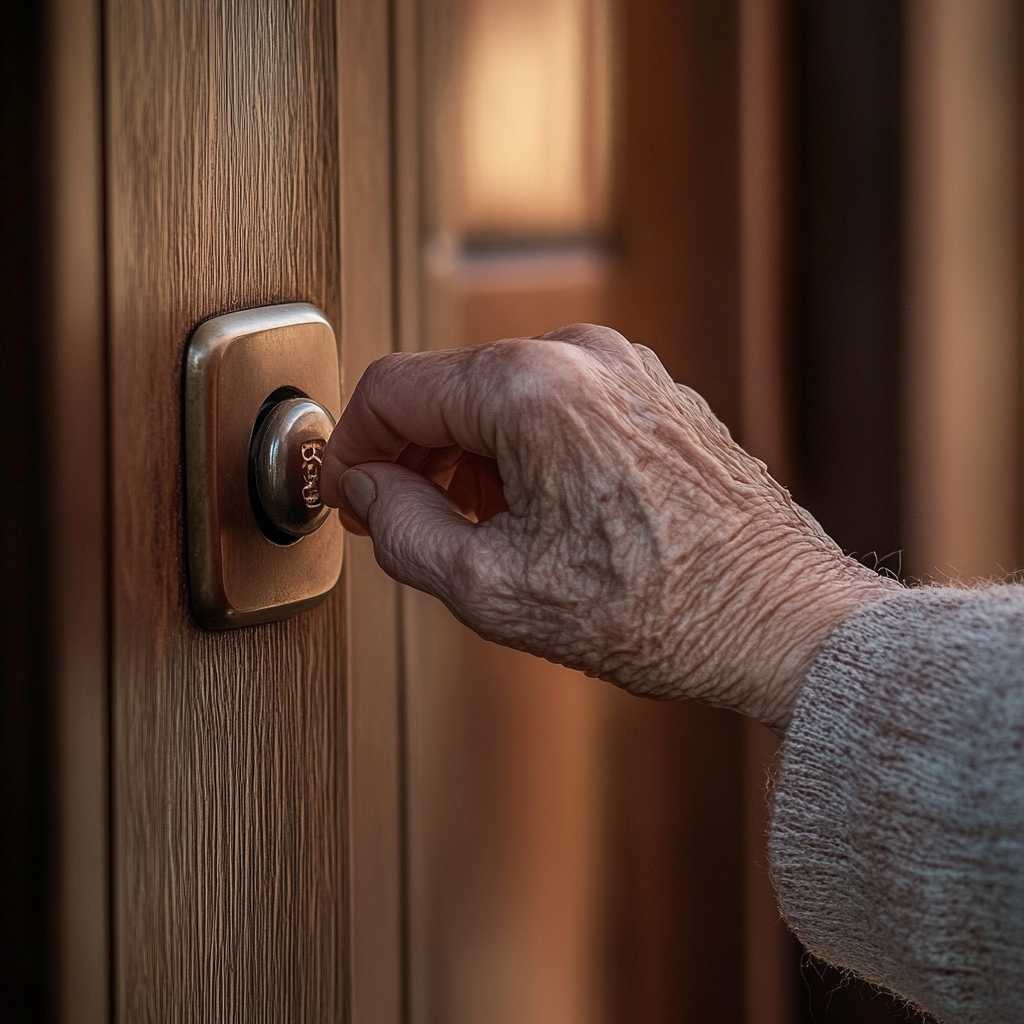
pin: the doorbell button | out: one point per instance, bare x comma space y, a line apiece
287, 456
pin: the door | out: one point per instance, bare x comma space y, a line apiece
220, 818
246, 164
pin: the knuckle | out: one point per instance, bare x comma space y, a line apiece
610, 337
533, 371
654, 368
468, 575
589, 335
514, 373
648, 355
481, 591
510, 357
380, 374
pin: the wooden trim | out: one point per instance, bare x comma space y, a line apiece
964, 288
79, 580
766, 432
406, 163
765, 420
375, 990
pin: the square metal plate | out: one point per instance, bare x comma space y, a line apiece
237, 576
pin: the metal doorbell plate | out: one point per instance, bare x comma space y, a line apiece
241, 571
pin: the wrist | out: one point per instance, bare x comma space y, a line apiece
808, 607
750, 613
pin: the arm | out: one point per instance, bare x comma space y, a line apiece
897, 838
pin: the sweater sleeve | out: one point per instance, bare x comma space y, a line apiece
897, 833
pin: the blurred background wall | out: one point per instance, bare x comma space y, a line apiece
812, 212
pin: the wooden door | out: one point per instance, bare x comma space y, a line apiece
227, 748
246, 149
216, 827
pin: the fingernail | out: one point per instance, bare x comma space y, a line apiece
360, 493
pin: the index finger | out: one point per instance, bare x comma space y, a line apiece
431, 399
473, 398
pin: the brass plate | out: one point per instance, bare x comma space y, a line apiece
237, 577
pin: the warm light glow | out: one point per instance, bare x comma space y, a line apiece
532, 118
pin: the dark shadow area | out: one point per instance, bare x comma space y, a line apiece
26, 796
847, 295
826, 995
846, 283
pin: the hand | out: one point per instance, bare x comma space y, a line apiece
563, 496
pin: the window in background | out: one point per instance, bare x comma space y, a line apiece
518, 142
519, 119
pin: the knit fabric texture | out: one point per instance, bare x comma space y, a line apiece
897, 834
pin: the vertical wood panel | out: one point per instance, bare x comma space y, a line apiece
764, 158
79, 596
766, 432
964, 287
375, 934
407, 42
679, 192
228, 748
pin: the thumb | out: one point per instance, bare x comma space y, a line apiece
419, 535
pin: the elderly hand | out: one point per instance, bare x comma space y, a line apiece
563, 496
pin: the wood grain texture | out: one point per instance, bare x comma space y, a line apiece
375, 860
228, 748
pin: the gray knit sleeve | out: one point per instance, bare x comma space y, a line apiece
897, 833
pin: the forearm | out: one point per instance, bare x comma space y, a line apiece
897, 839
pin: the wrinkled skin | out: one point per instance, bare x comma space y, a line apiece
563, 496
